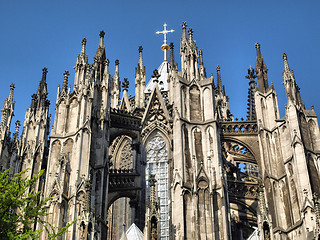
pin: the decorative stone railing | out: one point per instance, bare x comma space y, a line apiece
123, 179
239, 127
241, 189
124, 119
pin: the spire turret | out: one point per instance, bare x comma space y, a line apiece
219, 83
190, 32
172, 62
140, 80
101, 43
7, 110
201, 65
184, 30
291, 86
100, 54
42, 89
65, 81
140, 63
115, 95
15, 135
83, 49
261, 70
251, 114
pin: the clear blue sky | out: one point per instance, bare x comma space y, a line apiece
37, 34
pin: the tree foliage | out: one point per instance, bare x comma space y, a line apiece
21, 209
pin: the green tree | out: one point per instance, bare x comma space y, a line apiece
21, 208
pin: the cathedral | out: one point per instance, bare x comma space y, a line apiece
170, 162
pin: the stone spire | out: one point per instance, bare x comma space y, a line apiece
115, 96
101, 53
7, 111
15, 135
251, 114
184, 30
140, 62
261, 70
42, 89
172, 62
140, 80
83, 49
190, 32
116, 74
291, 86
65, 81
201, 65
219, 83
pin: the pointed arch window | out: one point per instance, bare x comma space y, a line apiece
157, 164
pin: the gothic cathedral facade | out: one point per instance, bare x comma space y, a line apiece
172, 159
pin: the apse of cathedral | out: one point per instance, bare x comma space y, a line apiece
170, 162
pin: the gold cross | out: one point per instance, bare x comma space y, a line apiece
165, 32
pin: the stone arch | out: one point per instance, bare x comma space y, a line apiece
251, 148
122, 153
119, 213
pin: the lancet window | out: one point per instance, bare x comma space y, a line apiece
157, 164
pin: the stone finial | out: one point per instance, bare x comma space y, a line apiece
66, 74
184, 25
251, 74
102, 33
155, 75
117, 62
101, 44
218, 68
171, 45
284, 56
125, 84
44, 74
107, 62
84, 42
140, 49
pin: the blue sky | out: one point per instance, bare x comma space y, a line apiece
37, 34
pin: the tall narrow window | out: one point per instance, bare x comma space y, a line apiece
157, 164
